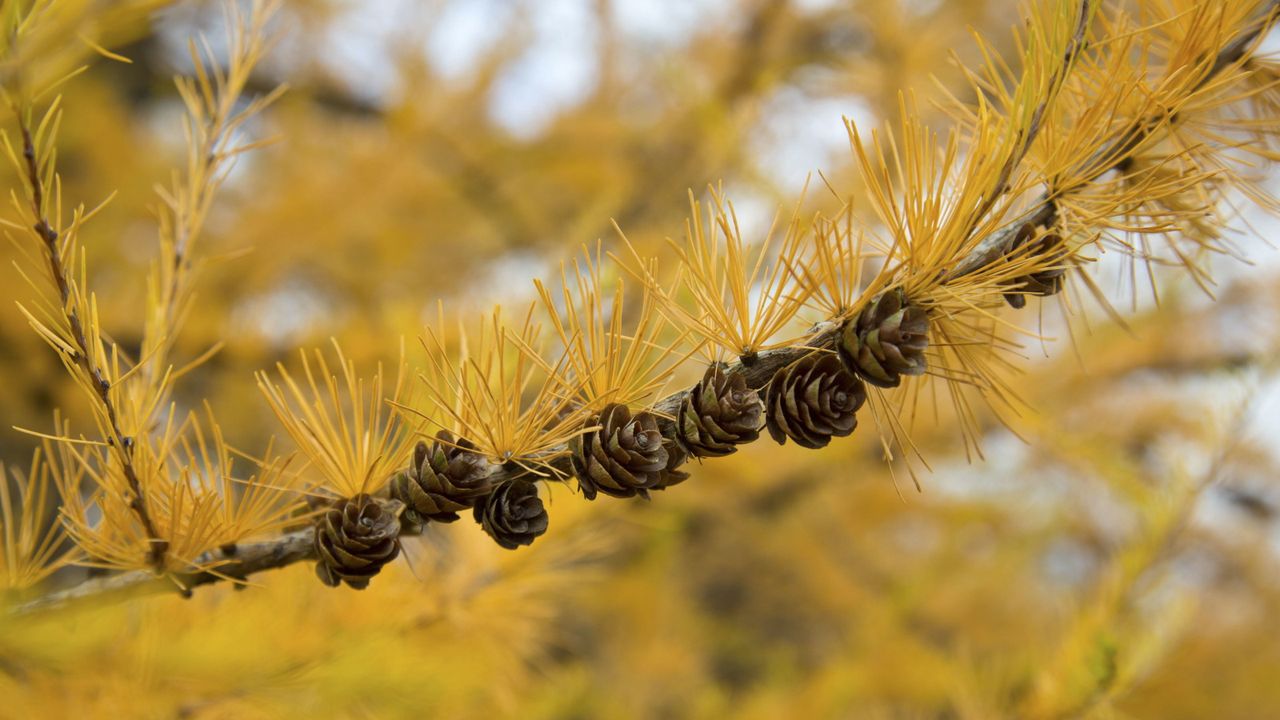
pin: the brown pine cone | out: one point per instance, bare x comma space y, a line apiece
887, 340
625, 457
719, 414
443, 478
1043, 283
513, 514
813, 400
354, 539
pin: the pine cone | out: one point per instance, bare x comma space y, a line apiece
1043, 283
625, 457
354, 539
813, 400
719, 414
887, 340
513, 514
443, 478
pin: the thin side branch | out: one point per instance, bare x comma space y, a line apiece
121, 443
1000, 243
1028, 138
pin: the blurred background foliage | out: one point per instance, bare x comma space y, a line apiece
1114, 554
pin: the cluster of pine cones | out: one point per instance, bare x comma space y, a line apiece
356, 536
627, 454
810, 401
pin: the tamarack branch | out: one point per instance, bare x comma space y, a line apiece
808, 391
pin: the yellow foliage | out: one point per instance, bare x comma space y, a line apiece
345, 428
1093, 529
484, 392
741, 297
624, 359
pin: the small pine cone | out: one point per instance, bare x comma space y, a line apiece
354, 539
444, 478
719, 414
1043, 283
625, 457
887, 340
513, 514
813, 400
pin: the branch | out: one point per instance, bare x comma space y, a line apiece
246, 560
299, 546
757, 371
84, 356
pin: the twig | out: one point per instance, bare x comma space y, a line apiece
1027, 138
84, 356
248, 559
1001, 242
